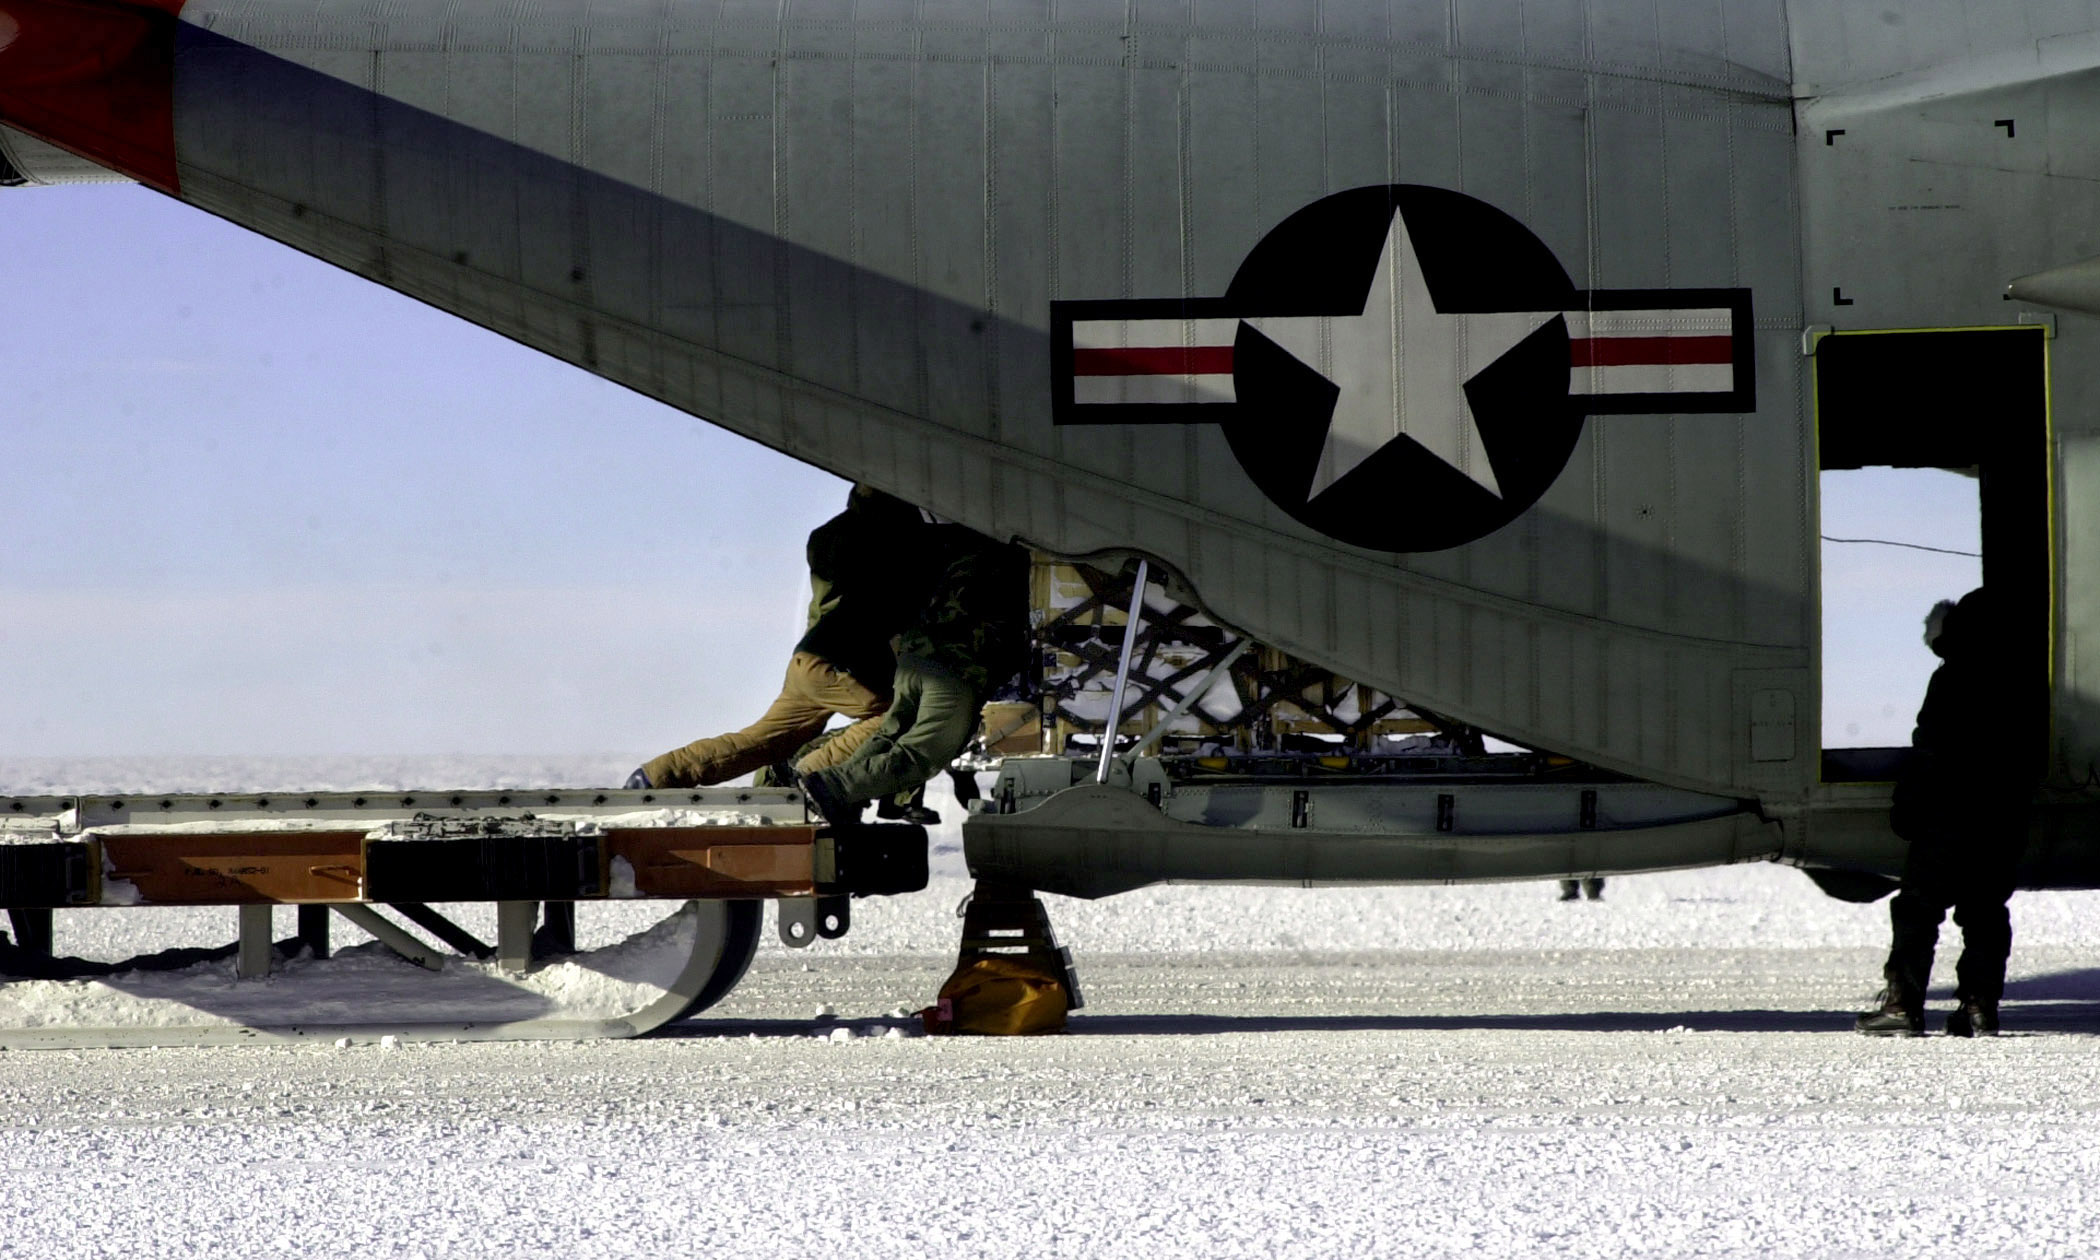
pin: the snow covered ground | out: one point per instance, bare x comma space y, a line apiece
1423, 1071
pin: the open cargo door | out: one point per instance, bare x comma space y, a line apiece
1974, 401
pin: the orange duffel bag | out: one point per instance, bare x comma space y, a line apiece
999, 995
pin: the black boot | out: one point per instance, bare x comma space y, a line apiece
1973, 1018
1901, 1014
920, 814
908, 807
826, 802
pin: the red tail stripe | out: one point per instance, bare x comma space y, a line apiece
1650, 351
96, 79
1153, 361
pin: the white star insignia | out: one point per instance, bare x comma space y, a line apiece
1401, 367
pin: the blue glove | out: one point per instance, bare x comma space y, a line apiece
639, 779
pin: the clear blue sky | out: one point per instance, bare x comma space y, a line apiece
257, 505
1875, 662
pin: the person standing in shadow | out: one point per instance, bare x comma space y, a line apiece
1962, 802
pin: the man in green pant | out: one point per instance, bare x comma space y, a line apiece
972, 636
869, 572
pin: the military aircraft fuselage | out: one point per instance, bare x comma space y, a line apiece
1485, 353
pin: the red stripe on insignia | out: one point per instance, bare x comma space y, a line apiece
1153, 361
94, 77
1650, 351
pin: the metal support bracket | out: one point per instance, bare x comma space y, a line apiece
389, 935
444, 929
1131, 623
804, 919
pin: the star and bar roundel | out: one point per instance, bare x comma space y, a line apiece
1401, 367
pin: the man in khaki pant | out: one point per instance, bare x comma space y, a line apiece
972, 635
869, 576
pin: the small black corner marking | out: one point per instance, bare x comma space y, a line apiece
1831, 137
1838, 298
2006, 123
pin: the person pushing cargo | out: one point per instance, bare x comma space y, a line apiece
869, 573
972, 636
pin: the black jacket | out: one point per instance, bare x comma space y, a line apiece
1965, 776
869, 574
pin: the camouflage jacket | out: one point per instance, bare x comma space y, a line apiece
976, 623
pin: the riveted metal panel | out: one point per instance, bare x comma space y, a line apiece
1835, 43
2077, 715
840, 233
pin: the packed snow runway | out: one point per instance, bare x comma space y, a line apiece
1259, 1072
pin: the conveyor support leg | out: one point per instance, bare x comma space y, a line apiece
257, 949
313, 929
514, 921
557, 935
32, 925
